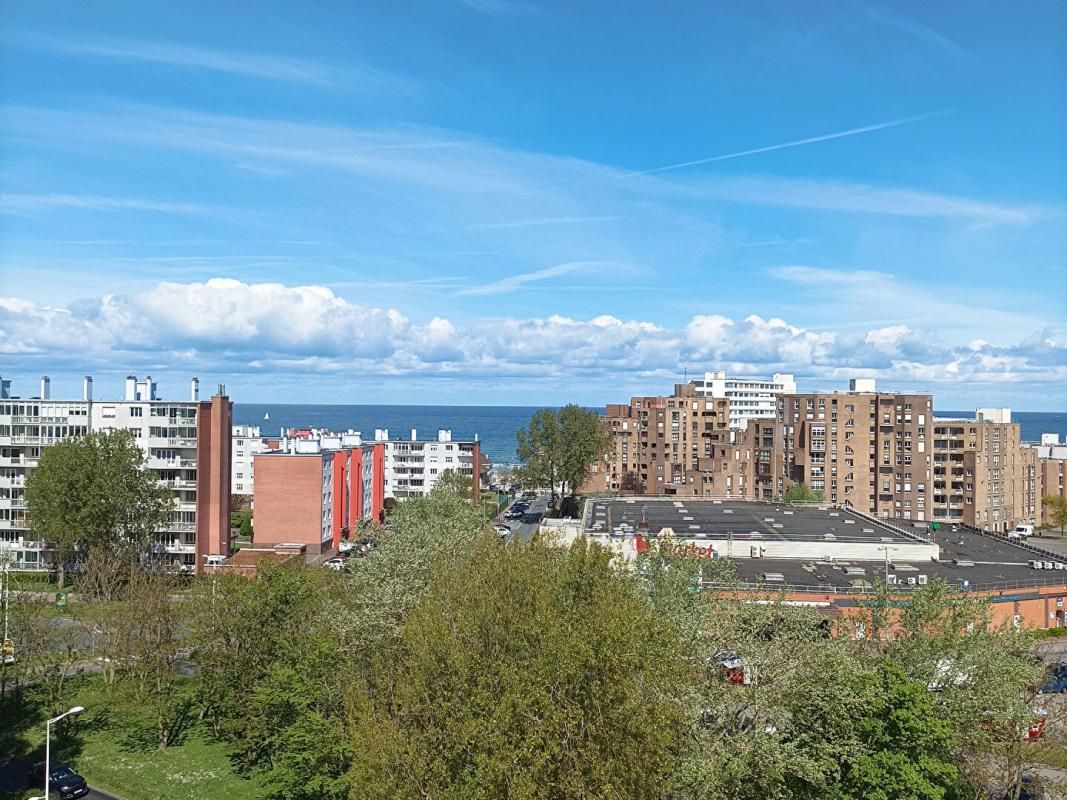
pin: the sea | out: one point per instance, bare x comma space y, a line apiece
495, 426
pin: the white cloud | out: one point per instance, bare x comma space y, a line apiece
224, 325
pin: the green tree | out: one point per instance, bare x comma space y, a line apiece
560, 447
452, 482
428, 533
982, 675
153, 643
93, 493
524, 673
631, 482
800, 493
1057, 508
907, 743
242, 520
540, 449
586, 440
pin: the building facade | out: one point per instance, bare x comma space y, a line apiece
983, 476
1051, 467
246, 443
863, 449
316, 498
663, 445
413, 466
750, 398
186, 444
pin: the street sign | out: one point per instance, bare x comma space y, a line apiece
61, 599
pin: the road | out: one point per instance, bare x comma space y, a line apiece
525, 528
96, 794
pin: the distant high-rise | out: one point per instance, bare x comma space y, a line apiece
750, 398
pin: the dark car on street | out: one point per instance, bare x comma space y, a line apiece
64, 780
1055, 679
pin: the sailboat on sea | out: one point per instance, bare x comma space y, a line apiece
266, 416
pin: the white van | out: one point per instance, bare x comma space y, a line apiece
1022, 531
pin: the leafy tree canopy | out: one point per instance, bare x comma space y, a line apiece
93, 492
800, 493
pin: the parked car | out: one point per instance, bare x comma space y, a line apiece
733, 669
502, 530
64, 780
1055, 679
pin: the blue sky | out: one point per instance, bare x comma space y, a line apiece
520, 202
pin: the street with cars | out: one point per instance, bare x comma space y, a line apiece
523, 516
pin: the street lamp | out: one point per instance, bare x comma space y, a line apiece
48, 747
886, 548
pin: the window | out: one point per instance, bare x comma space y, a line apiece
136, 411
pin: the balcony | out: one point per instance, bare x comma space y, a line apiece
181, 442
177, 483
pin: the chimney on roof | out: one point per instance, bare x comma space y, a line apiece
414, 434
194, 390
87, 388
46, 388
131, 388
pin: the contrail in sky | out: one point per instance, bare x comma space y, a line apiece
813, 140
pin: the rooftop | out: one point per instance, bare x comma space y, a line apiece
701, 518
968, 559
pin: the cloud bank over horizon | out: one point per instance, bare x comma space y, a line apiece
250, 330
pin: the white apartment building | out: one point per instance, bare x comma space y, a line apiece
180, 439
750, 398
412, 466
247, 441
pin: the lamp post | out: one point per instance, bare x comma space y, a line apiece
48, 747
886, 548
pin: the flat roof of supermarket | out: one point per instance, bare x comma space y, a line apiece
988, 561
702, 518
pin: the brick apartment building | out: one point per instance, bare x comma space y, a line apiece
1050, 471
863, 449
316, 498
983, 476
186, 443
878, 452
664, 443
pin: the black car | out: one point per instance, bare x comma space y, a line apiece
64, 780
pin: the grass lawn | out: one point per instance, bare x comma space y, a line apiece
113, 745
32, 582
